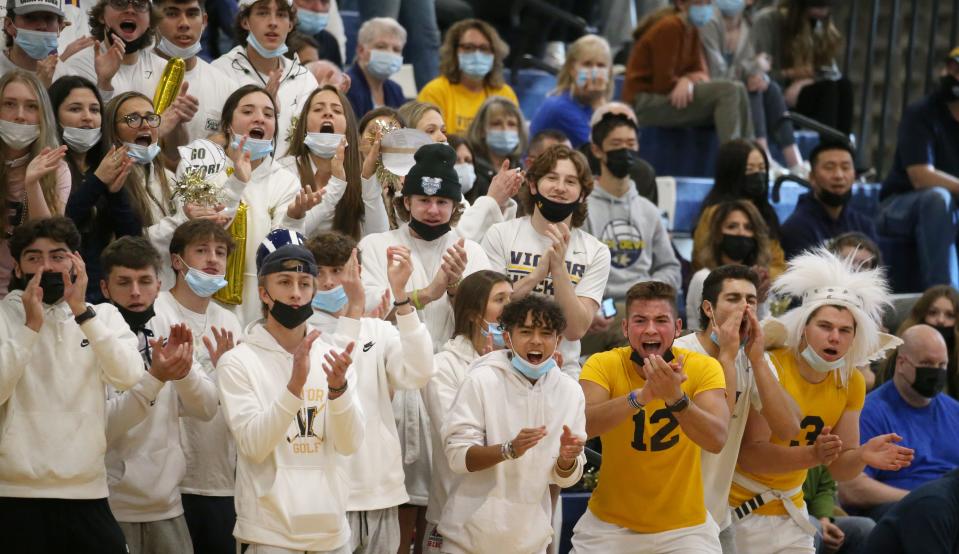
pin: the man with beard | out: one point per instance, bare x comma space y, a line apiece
144, 456
912, 403
825, 212
56, 355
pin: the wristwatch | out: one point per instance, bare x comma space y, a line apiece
85, 316
680, 404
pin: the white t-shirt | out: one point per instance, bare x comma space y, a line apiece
211, 87
143, 75
514, 247
207, 445
718, 469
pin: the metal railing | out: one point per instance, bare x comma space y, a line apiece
917, 77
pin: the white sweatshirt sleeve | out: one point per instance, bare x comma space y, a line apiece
578, 427
127, 409
409, 354
375, 281
324, 211
255, 429
375, 218
345, 418
439, 393
15, 347
197, 394
115, 347
465, 426
478, 217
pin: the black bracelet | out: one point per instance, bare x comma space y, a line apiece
334, 390
403, 303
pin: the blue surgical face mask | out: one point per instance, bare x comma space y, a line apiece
585, 73
383, 63
816, 361
37, 44
261, 50
730, 8
203, 284
502, 142
258, 148
532, 371
475, 64
142, 154
494, 330
331, 300
700, 15
311, 22
715, 338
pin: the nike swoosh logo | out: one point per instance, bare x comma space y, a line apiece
367, 346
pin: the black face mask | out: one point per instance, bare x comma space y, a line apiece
754, 186
832, 199
639, 360
288, 316
949, 88
554, 212
929, 381
429, 232
948, 335
135, 45
136, 320
619, 161
738, 248
52, 284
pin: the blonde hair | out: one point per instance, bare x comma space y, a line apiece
413, 111
137, 183
585, 46
46, 139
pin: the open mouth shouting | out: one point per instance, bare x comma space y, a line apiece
830, 354
327, 127
144, 138
127, 29
256, 133
535, 356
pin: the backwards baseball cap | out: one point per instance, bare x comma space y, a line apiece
274, 240
21, 7
246, 3
433, 173
291, 257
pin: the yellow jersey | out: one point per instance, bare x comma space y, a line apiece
820, 405
460, 104
650, 480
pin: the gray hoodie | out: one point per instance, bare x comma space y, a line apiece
639, 245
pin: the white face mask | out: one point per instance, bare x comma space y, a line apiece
817, 362
175, 51
80, 140
323, 145
467, 176
18, 136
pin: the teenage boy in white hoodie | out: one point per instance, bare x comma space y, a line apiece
144, 459
199, 251
293, 424
516, 426
391, 359
56, 355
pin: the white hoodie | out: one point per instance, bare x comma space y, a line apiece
145, 461
507, 508
386, 359
452, 363
296, 84
291, 479
53, 399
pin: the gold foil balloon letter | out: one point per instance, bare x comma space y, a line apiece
169, 86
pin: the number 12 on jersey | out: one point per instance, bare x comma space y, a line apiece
661, 439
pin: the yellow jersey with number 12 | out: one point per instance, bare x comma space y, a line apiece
820, 405
651, 479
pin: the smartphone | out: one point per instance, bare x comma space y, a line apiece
609, 308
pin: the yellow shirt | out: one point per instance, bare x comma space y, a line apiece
821, 405
458, 103
650, 480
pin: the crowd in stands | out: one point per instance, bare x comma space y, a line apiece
263, 293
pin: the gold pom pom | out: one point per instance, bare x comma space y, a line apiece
194, 188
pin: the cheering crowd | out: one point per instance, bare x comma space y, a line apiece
275, 307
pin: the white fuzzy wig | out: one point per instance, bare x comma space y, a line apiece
820, 278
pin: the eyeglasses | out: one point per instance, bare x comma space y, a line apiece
141, 6
470, 48
136, 120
